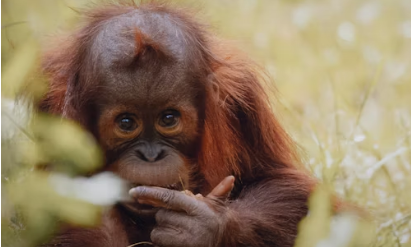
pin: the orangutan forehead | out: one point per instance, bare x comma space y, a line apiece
144, 57
150, 81
125, 38
144, 89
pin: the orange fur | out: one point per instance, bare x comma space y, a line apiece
240, 134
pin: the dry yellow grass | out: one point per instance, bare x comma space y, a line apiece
343, 72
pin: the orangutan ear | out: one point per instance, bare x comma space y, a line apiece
73, 104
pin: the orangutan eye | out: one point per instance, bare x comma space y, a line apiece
127, 123
169, 118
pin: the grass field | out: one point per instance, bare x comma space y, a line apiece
342, 70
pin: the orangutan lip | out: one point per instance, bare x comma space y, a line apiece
174, 186
138, 209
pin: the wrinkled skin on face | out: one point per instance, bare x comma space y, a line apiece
149, 101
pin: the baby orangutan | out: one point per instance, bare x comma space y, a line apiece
176, 109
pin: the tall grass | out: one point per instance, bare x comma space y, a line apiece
343, 74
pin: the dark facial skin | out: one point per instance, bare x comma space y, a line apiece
149, 140
151, 111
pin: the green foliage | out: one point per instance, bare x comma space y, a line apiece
60, 140
319, 216
31, 206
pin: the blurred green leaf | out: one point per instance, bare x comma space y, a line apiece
41, 206
35, 196
316, 225
65, 145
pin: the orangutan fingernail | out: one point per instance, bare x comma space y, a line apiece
134, 191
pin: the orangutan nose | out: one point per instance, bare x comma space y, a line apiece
150, 153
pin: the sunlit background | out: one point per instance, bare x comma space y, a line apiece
342, 69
